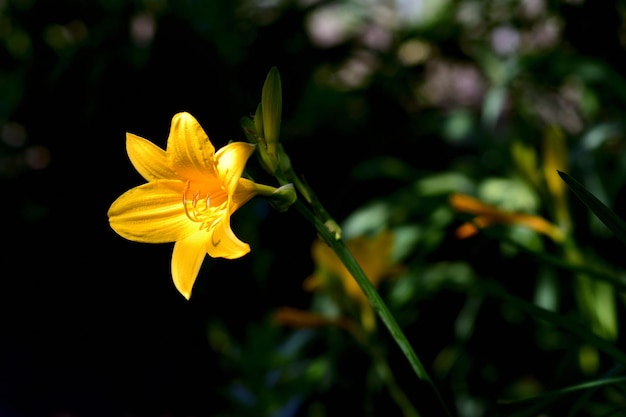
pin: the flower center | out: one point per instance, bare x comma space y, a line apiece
198, 208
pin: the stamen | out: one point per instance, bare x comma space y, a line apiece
194, 212
199, 210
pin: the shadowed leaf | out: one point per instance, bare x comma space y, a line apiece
605, 214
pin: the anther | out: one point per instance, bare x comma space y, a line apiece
192, 210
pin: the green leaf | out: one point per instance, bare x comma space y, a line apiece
584, 386
605, 214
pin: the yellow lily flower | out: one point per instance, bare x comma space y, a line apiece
295, 317
373, 255
190, 194
302, 319
487, 215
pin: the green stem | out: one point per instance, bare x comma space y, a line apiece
376, 301
383, 371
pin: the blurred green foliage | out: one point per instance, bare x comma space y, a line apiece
388, 109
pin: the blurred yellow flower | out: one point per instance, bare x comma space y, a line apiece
294, 317
488, 215
372, 253
190, 195
303, 319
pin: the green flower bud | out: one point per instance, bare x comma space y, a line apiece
283, 197
249, 129
271, 102
283, 159
258, 120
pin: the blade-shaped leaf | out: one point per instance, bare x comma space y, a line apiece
605, 214
584, 386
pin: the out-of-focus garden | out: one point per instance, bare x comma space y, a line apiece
432, 131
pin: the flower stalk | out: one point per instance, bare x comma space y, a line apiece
372, 295
263, 129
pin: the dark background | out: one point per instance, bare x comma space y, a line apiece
91, 324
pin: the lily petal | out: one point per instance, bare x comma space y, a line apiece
152, 213
187, 259
245, 190
223, 242
190, 153
231, 161
147, 158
